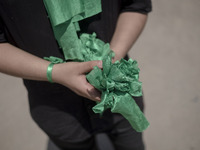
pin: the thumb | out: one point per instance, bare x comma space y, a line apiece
89, 65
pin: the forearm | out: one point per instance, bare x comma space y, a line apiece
128, 29
16, 62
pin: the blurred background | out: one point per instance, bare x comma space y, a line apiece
168, 53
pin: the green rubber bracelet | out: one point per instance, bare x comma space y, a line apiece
49, 72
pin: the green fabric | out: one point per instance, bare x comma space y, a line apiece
118, 82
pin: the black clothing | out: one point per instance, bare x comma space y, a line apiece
63, 115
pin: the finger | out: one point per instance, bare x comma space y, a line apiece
85, 89
92, 92
88, 66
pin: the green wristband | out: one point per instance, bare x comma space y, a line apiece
53, 60
49, 72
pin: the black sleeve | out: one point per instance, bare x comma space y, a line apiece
140, 6
2, 35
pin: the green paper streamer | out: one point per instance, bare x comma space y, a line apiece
64, 15
118, 82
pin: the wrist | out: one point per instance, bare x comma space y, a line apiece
57, 73
53, 62
119, 52
118, 56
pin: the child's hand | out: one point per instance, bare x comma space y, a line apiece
72, 75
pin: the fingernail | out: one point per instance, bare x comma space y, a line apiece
98, 99
99, 64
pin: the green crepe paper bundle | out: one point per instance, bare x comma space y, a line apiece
118, 82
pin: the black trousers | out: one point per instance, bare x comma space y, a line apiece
71, 124
103, 141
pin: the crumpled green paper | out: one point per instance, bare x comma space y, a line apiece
118, 82
94, 48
